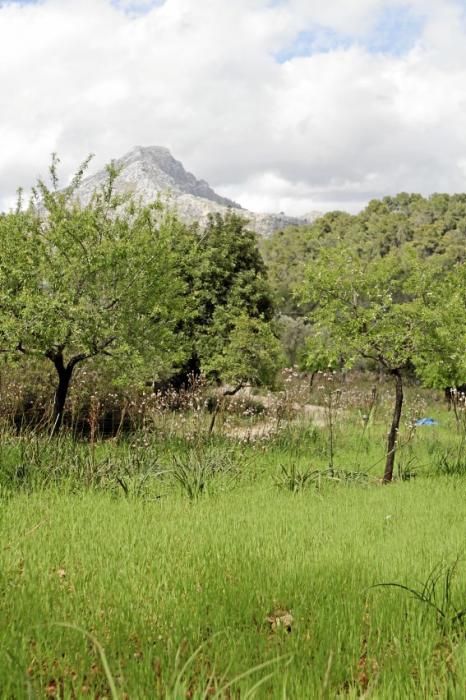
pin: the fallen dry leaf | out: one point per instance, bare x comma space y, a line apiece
280, 619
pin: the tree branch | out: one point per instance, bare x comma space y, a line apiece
232, 392
98, 349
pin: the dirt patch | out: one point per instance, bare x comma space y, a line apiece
260, 431
315, 415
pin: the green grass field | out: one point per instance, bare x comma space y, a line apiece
155, 569
177, 593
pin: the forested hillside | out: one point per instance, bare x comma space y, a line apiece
431, 226
431, 230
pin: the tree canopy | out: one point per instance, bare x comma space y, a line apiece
79, 282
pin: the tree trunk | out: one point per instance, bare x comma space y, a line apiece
393, 434
219, 405
64, 378
215, 413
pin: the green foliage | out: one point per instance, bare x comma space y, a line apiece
230, 270
251, 354
295, 479
81, 281
365, 309
293, 335
441, 360
431, 228
398, 311
369, 309
128, 285
232, 330
288, 253
197, 471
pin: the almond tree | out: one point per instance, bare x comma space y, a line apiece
366, 309
81, 282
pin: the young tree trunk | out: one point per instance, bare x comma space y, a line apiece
393, 434
219, 405
64, 378
215, 412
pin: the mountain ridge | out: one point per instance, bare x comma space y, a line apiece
151, 172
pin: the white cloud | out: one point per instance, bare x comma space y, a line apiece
330, 129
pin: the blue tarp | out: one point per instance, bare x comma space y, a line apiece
426, 421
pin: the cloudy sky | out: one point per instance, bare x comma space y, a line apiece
286, 105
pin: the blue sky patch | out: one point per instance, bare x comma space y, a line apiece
394, 32
135, 7
18, 2
318, 40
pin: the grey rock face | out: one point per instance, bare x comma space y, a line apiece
266, 224
151, 172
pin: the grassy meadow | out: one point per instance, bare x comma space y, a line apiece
169, 563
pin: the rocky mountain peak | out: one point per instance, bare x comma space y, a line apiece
157, 166
151, 172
